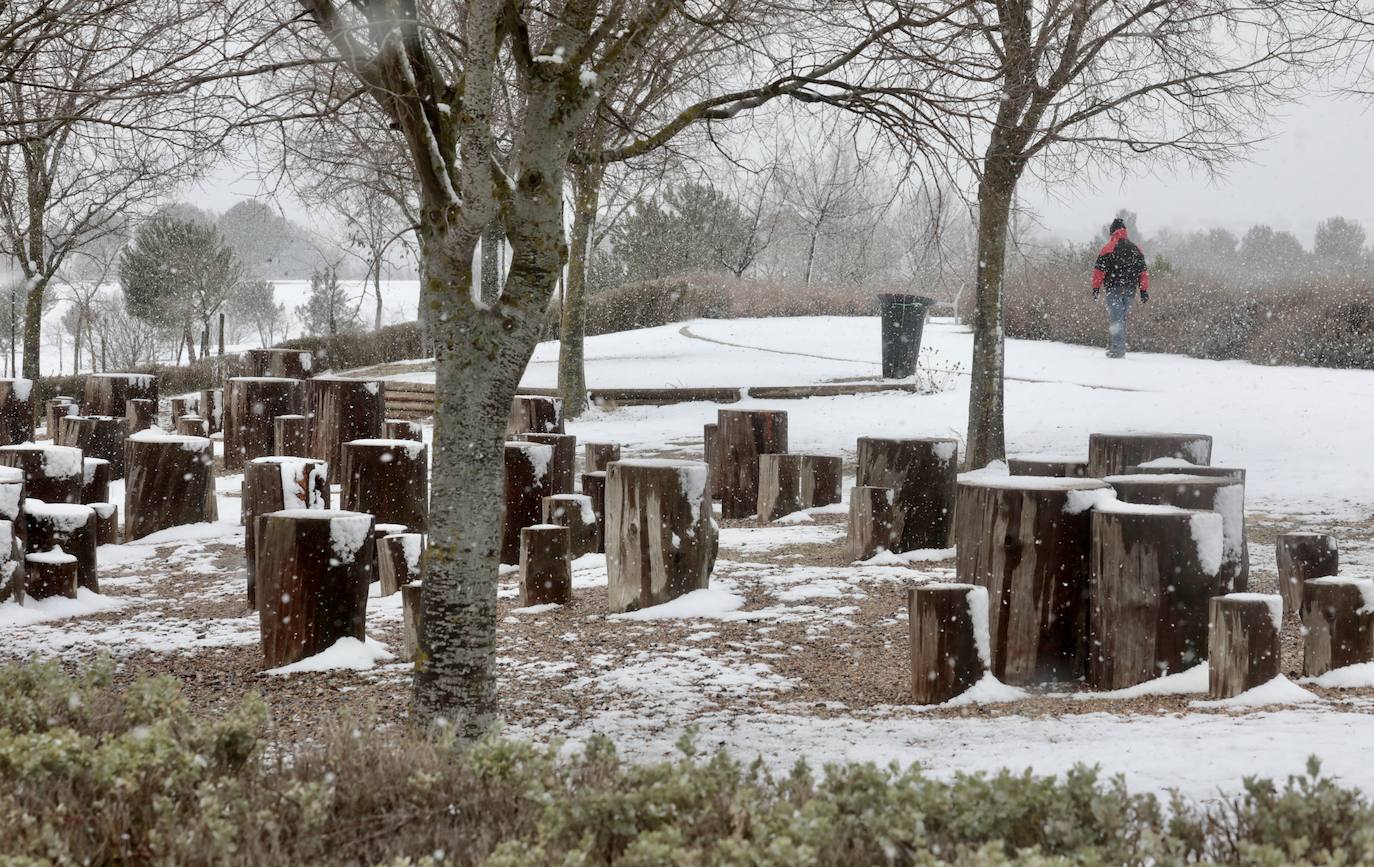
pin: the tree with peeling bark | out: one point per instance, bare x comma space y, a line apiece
1059, 88
437, 70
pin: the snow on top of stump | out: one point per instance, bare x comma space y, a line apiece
62, 462
9, 497
1364, 585
284, 459
187, 443
413, 545
538, 454
583, 502
284, 415
1209, 535
22, 387
1230, 503
1032, 483
1049, 459
89, 466
11, 474
1273, 600
391, 529
546, 527
53, 555
992, 470
1171, 479
1150, 435
141, 380
410, 447
63, 516
104, 510
263, 379
1168, 462
347, 530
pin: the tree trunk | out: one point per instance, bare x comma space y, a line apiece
875, 523
986, 429
575, 511
1337, 623
572, 327
922, 473
67, 526
16, 411
594, 486
661, 540
251, 406
170, 482
339, 411
744, 435
33, 328
270, 485
1302, 557
52, 474
545, 565
1111, 454
1242, 642
946, 651
493, 236
388, 479
563, 471
398, 560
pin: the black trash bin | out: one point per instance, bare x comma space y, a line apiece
904, 316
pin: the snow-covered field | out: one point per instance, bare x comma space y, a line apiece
795, 653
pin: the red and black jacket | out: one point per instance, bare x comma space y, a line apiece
1120, 267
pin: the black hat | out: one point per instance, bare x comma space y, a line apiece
1118, 223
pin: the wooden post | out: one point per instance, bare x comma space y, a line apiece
140, 414
744, 435
389, 479
821, 476
106, 523
1337, 623
57, 409
710, 446
1109, 454
779, 486
290, 438
947, 654
545, 565
340, 411
69, 527
398, 560
212, 408
192, 426
594, 486
251, 404
526, 483
16, 411
574, 511
97, 436
597, 455
1242, 642
171, 482
1222, 494
95, 481
313, 571
534, 414
1153, 570
50, 573
1061, 468
403, 429
110, 393
563, 470
922, 473
275, 484
182, 406
52, 474
1027, 539
12, 496
660, 538
1302, 557
874, 523
411, 620
279, 363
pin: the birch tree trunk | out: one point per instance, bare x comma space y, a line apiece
572, 370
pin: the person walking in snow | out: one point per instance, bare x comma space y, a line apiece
1121, 271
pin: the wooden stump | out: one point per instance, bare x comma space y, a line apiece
922, 474
279, 363
69, 527
545, 565
875, 525
212, 408
596, 456
1153, 571
313, 571
12, 496
340, 411
106, 523
57, 409
12, 572
50, 573
183, 406
398, 560
575, 511
563, 470
1027, 539
660, 538
95, 481
947, 653
710, 447
403, 429
534, 414
1109, 454
821, 476
140, 414
1060, 468
594, 486
1338, 623
290, 436
1302, 557
16, 411
779, 486
389, 479
251, 404
1242, 642
275, 484
411, 620
171, 482
1159, 468
110, 393
97, 436
744, 435
192, 426
1222, 494
525, 484
52, 474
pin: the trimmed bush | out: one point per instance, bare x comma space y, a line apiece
345, 351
